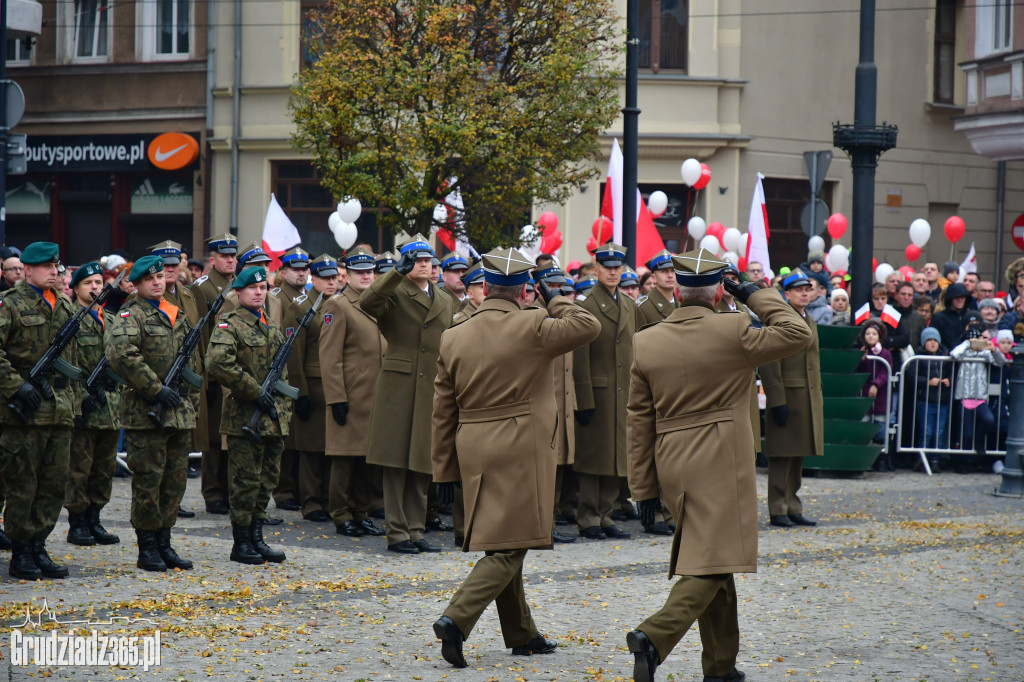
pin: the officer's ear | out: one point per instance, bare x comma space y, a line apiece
719, 293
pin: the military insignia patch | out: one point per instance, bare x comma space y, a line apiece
125, 313
223, 325
288, 331
328, 318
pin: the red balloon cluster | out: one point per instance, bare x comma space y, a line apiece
551, 236
592, 244
955, 229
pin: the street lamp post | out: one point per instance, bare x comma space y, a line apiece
1013, 466
630, 135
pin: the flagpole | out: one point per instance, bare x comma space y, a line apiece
630, 114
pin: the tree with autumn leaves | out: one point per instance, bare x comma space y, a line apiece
503, 101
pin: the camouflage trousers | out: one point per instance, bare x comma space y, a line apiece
91, 472
34, 466
253, 471
159, 464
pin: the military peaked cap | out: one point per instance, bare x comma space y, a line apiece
295, 257
661, 261
417, 246
506, 267
698, 268
324, 266
223, 243
360, 259
169, 250
610, 255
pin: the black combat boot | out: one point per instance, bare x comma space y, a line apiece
167, 553
78, 530
22, 565
92, 518
45, 563
149, 557
243, 551
267, 552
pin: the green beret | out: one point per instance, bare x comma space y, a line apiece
38, 253
147, 265
87, 270
249, 276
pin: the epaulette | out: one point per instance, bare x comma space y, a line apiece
581, 298
200, 280
275, 291
641, 299
460, 317
301, 298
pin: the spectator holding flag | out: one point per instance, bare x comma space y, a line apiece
898, 337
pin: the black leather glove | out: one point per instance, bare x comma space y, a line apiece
265, 401
340, 413
169, 397
29, 396
781, 414
546, 292
446, 493
304, 407
647, 509
584, 416
406, 263
741, 291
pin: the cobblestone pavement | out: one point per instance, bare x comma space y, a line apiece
907, 577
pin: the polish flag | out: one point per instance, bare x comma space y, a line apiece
862, 314
757, 228
279, 233
648, 241
891, 316
970, 263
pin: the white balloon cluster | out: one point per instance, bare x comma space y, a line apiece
837, 258
342, 222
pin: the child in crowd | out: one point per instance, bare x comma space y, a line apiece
872, 339
931, 379
975, 354
925, 307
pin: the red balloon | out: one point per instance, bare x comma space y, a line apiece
907, 272
955, 229
573, 265
837, 225
603, 229
717, 230
592, 244
551, 242
546, 220
874, 264
912, 252
742, 264
705, 177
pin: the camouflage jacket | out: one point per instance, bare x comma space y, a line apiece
91, 342
141, 347
241, 350
26, 326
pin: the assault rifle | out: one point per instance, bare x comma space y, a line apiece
179, 370
272, 382
101, 380
51, 360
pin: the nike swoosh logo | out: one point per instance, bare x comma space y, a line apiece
162, 156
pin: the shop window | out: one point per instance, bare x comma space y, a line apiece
945, 51
165, 29
663, 27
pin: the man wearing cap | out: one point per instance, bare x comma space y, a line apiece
385, 262
412, 313
794, 409
689, 431
242, 348
351, 348
629, 283
660, 303
601, 376
144, 339
583, 287
492, 420
253, 256
95, 440
34, 454
452, 269
473, 281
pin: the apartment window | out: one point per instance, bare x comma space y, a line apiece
92, 29
993, 27
945, 50
19, 52
165, 29
310, 30
663, 25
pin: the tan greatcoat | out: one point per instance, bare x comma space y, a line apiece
755, 410
689, 426
653, 309
601, 374
795, 381
352, 348
412, 322
565, 403
494, 417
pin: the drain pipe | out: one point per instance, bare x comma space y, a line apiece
236, 117
1000, 219
211, 50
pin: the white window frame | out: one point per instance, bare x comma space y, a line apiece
993, 27
148, 30
70, 23
19, 44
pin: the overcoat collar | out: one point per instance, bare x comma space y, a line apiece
606, 305
501, 304
687, 312
661, 304
353, 298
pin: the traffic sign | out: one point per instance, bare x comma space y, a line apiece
820, 219
15, 103
817, 166
1017, 232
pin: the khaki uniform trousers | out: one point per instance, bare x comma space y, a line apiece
784, 480
711, 601
314, 481
597, 499
214, 465
405, 504
287, 485
567, 490
498, 578
351, 489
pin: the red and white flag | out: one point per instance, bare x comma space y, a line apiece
648, 241
891, 316
279, 233
970, 263
862, 314
757, 228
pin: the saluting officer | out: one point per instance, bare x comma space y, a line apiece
34, 454
242, 348
492, 420
351, 349
94, 443
731, 303
144, 339
660, 303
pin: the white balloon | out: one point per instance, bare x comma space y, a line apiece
829, 265
691, 171
528, 235
816, 243
882, 272
732, 238
697, 227
732, 257
710, 243
840, 257
350, 209
744, 240
657, 203
346, 235
334, 221
920, 232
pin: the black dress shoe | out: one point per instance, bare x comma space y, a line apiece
218, 507
460, 540
559, 536
317, 516
801, 520
782, 521
630, 514
291, 504
193, 473
351, 529
658, 528
451, 641
570, 519
561, 520
377, 514
733, 676
593, 533
404, 547
272, 521
370, 528
425, 546
185, 514
537, 645
645, 656
614, 532
618, 515
438, 525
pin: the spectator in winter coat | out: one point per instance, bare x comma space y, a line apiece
840, 307
872, 339
897, 339
952, 320
931, 380
972, 379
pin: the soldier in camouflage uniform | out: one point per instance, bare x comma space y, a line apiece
34, 455
94, 443
242, 348
144, 340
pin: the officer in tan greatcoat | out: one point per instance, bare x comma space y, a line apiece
689, 430
660, 303
795, 414
412, 313
351, 350
492, 419
731, 303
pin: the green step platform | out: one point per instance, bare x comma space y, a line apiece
847, 408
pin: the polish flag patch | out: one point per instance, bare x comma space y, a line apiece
222, 325
126, 313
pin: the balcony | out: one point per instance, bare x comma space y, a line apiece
24, 18
994, 118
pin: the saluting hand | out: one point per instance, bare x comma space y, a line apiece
740, 291
546, 292
406, 263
